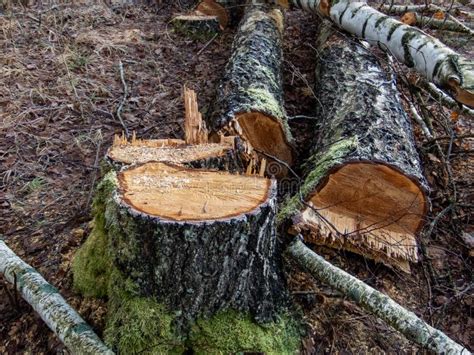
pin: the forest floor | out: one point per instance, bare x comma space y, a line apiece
60, 88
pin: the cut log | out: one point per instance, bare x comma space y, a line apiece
201, 27
414, 19
431, 58
249, 100
59, 316
364, 191
406, 322
199, 248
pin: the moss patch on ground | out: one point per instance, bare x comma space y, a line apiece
234, 332
137, 324
92, 263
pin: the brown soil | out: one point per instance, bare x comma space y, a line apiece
60, 89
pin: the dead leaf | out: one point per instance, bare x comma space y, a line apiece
409, 18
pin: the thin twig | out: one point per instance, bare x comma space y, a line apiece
124, 98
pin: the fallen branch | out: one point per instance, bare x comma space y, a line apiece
45, 299
406, 322
411, 46
414, 19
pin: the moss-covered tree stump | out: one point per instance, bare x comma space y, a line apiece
249, 100
189, 260
364, 190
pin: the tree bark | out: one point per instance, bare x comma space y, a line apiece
418, 50
364, 188
249, 100
375, 302
45, 299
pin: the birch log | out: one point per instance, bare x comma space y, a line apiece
406, 322
364, 188
415, 48
249, 100
45, 299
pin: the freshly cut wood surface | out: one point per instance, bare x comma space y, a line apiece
181, 194
165, 150
376, 209
265, 134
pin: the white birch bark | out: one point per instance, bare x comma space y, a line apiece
418, 50
382, 306
45, 299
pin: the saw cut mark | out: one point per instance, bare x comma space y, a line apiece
181, 194
265, 134
371, 209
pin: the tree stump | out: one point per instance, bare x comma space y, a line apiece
201, 27
195, 253
364, 190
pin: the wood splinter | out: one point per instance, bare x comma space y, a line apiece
194, 151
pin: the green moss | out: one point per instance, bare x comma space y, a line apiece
91, 265
265, 99
321, 164
232, 332
138, 324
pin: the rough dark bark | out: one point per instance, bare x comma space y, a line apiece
365, 134
249, 99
